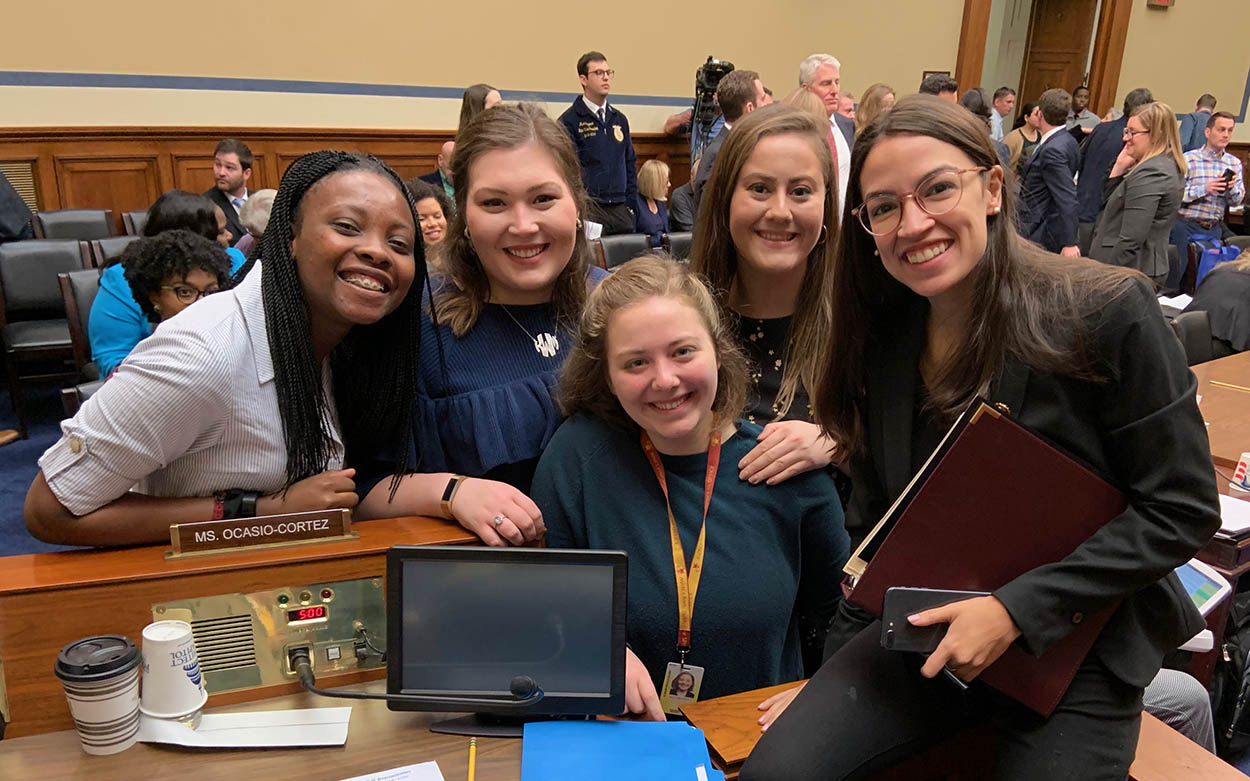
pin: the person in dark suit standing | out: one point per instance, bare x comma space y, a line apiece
605, 150
1099, 154
939, 301
821, 75
232, 167
1194, 125
441, 177
739, 93
1047, 188
1144, 193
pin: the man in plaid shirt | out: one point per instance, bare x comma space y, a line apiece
1208, 193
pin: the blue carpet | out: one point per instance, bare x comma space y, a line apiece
19, 462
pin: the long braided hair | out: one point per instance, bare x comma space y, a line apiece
374, 367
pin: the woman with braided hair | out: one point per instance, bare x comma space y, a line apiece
250, 402
496, 328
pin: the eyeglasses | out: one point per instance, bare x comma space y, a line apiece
599, 74
937, 194
1130, 132
188, 294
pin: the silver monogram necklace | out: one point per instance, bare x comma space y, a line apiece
545, 344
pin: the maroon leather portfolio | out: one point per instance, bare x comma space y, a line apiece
993, 502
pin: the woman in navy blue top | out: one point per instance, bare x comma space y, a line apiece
651, 213
496, 328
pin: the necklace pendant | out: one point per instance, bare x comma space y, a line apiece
546, 345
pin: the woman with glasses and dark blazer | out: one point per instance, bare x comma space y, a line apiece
1142, 195
938, 301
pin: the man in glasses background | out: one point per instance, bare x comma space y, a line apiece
1048, 185
605, 150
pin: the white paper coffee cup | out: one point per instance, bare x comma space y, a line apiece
173, 687
101, 679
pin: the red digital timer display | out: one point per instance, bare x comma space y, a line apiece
313, 613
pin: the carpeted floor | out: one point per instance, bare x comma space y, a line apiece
19, 462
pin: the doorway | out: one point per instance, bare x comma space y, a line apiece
1060, 42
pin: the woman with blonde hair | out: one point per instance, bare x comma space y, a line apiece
651, 211
1142, 194
877, 99
653, 389
765, 240
807, 101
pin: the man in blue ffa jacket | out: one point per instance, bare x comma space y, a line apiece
1047, 188
604, 148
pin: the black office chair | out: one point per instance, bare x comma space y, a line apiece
1194, 331
1240, 242
73, 398
678, 244
134, 222
78, 290
104, 250
83, 224
622, 248
33, 326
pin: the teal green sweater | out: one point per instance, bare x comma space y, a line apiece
773, 552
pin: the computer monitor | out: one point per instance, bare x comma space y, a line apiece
470, 622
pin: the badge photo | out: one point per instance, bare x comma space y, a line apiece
618, 133
681, 686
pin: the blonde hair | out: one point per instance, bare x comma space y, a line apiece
1242, 261
1159, 122
507, 127
806, 100
871, 105
584, 381
714, 255
653, 180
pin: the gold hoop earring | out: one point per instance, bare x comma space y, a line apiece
579, 223
467, 237
824, 234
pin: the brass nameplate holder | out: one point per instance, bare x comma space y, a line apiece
266, 531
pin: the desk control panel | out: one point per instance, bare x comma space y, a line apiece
243, 639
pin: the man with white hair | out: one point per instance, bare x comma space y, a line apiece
821, 74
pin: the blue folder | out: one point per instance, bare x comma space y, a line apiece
608, 750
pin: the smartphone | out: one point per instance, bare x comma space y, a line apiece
898, 634
1228, 174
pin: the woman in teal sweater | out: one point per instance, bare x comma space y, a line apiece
654, 388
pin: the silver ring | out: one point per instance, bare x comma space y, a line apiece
498, 520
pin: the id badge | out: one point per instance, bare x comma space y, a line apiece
681, 686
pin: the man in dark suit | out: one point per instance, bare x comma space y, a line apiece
1194, 125
821, 75
1099, 154
1047, 189
739, 93
441, 177
232, 167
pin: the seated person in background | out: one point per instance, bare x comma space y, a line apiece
681, 205
502, 319
654, 387
254, 216
766, 238
440, 177
1024, 137
116, 323
171, 271
433, 207
652, 207
1209, 193
976, 101
1225, 296
940, 85
249, 403
1142, 195
877, 99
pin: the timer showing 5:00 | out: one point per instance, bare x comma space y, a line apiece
313, 613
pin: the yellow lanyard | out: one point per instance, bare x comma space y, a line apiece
687, 581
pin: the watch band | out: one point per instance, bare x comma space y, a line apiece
449, 493
247, 504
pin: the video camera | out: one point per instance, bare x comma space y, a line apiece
706, 79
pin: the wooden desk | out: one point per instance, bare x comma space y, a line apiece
377, 739
1226, 410
50, 599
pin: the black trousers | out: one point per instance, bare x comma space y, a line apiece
868, 708
614, 217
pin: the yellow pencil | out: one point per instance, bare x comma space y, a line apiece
472, 758
1230, 385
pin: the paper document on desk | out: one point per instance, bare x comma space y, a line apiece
1234, 516
264, 729
1176, 302
426, 771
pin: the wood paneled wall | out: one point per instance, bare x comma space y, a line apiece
127, 168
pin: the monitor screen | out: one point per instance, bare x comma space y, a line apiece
467, 621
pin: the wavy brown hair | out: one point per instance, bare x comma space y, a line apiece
871, 105
1027, 303
715, 257
584, 381
507, 127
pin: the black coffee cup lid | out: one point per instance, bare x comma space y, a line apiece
95, 658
